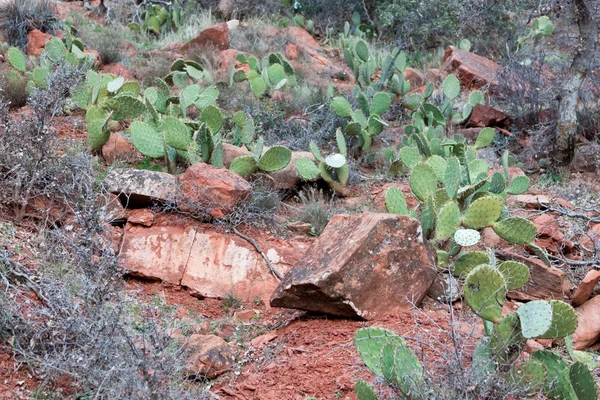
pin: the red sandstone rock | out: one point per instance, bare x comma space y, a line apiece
36, 42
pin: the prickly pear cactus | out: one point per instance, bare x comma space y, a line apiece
485, 292
16, 58
275, 159
447, 220
515, 230
364, 391
307, 169
370, 341
395, 202
515, 274
535, 317
506, 341
467, 261
483, 212
467, 237
423, 181
147, 140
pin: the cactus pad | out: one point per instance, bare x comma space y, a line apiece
452, 177
208, 97
341, 107
335, 160
369, 342
307, 169
423, 181
515, 274
558, 382
258, 86
485, 292
364, 391
497, 184
409, 372
380, 104
583, 382
506, 340
176, 133
116, 84
448, 220
410, 156
467, 237
528, 377
16, 58
275, 159
96, 119
362, 51
515, 230
147, 140
244, 166
213, 118
536, 318
395, 202
485, 138
451, 87
564, 321
519, 185
439, 165
467, 261
125, 107
483, 212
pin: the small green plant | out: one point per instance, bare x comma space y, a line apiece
273, 72
158, 19
332, 168
231, 302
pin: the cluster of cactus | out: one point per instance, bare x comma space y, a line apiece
156, 19
388, 356
69, 49
333, 168
272, 72
541, 27
365, 122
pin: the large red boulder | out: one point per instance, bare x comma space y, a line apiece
588, 327
36, 42
217, 36
207, 190
472, 70
362, 266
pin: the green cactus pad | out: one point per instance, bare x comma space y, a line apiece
583, 382
536, 318
497, 184
395, 202
519, 185
409, 372
528, 377
335, 160
515, 230
96, 119
116, 84
541, 253
341, 107
369, 342
483, 212
451, 87
564, 321
275, 159
362, 50
147, 140
477, 168
557, 384
213, 118
447, 221
17, 60
388, 367
380, 104
485, 138
258, 86
423, 181
375, 125
40, 77
482, 363
410, 156
452, 177
515, 274
364, 391
440, 198
467, 261
307, 169
506, 340
244, 166
55, 49
476, 97
485, 292
176, 133
467, 237
413, 101
314, 149
208, 97
131, 88
276, 74
188, 96
439, 165
216, 158
340, 140
124, 106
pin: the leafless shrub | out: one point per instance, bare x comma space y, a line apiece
314, 209
29, 166
18, 17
